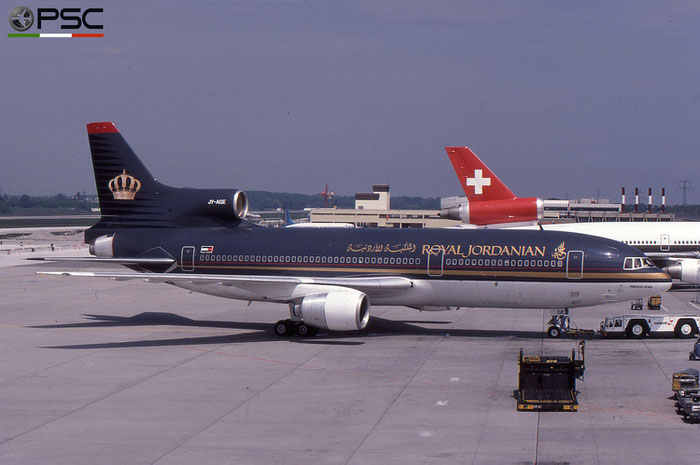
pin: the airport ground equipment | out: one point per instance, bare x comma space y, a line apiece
637, 304
687, 393
549, 382
639, 326
654, 302
695, 353
684, 380
560, 323
690, 406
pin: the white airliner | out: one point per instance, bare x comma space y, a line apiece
673, 245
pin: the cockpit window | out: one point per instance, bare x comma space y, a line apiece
635, 263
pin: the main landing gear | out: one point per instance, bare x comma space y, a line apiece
289, 328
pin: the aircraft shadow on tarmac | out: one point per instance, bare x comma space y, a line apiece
262, 332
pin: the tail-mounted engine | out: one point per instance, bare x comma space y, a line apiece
497, 211
226, 204
103, 247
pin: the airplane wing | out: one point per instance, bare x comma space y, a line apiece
118, 261
272, 288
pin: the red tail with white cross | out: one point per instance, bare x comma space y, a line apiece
478, 181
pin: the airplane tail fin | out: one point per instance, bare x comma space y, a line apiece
287, 217
477, 180
125, 187
130, 196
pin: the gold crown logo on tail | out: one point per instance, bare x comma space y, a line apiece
124, 186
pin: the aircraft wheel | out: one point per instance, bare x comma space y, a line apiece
304, 330
283, 328
554, 331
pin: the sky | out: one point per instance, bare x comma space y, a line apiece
561, 99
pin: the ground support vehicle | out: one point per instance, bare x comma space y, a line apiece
549, 382
686, 379
695, 353
654, 302
688, 405
644, 325
560, 323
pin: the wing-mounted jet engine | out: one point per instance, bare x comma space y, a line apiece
685, 269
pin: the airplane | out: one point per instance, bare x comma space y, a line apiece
489, 201
199, 240
674, 246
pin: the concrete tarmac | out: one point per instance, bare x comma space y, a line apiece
100, 371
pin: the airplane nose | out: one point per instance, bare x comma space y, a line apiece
662, 281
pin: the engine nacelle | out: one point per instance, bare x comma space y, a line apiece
346, 310
497, 211
686, 269
103, 247
227, 204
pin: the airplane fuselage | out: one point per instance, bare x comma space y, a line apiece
662, 236
447, 267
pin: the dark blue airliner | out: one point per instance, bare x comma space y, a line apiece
198, 239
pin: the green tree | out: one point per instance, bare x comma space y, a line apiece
25, 201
